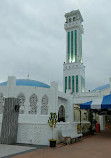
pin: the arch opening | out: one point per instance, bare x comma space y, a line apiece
61, 114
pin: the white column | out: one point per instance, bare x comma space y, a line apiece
102, 122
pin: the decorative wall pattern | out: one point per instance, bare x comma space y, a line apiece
33, 104
44, 107
29, 133
32, 133
37, 135
1, 103
23, 132
21, 100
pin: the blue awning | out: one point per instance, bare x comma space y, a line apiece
106, 102
98, 103
86, 105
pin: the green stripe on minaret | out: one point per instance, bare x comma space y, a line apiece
68, 46
71, 45
69, 82
75, 45
65, 84
76, 83
72, 83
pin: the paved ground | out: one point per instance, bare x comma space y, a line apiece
12, 149
7, 151
98, 146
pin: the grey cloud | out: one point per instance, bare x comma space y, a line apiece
32, 39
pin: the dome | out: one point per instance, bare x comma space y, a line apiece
101, 87
27, 82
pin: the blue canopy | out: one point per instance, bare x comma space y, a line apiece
106, 102
86, 105
98, 103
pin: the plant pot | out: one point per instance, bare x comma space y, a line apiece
52, 143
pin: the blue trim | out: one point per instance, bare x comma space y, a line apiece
26, 82
86, 105
101, 87
3, 84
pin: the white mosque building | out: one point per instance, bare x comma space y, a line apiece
37, 100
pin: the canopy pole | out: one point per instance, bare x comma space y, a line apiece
80, 120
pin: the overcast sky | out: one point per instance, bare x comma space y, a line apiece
32, 39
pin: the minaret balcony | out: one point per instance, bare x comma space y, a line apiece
70, 25
74, 65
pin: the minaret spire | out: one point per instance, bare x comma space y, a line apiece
74, 70
74, 31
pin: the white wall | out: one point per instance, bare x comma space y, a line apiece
41, 133
11, 90
33, 128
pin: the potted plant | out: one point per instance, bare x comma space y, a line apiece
52, 123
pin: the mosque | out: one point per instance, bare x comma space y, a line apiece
37, 99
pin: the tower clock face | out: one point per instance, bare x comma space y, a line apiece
44, 100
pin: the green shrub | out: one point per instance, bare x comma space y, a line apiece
52, 121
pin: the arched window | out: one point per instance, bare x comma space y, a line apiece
61, 114
33, 104
21, 100
1, 103
69, 19
44, 107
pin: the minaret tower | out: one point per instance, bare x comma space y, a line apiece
73, 69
